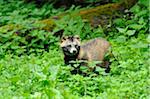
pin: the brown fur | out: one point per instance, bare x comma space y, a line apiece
93, 50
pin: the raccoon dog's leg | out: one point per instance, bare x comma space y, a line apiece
105, 65
77, 70
81, 72
106, 62
94, 70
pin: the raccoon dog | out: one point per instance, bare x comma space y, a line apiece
93, 50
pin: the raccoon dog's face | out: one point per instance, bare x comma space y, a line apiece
70, 45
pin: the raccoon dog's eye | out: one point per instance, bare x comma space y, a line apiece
63, 47
76, 46
69, 46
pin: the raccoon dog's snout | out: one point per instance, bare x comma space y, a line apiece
73, 50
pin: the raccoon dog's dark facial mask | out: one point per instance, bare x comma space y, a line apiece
70, 45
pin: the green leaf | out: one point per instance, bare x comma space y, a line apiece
130, 32
148, 38
141, 20
119, 22
122, 30
142, 13
121, 39
135, 26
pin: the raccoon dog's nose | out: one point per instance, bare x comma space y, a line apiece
74, 51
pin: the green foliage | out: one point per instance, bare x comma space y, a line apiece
42, 74
77, 26
27, 41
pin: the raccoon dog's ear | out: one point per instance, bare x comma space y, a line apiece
64, 38
77, 37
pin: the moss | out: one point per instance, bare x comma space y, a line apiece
10, 27
48, 24
102, 15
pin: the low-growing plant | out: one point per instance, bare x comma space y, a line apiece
43, 74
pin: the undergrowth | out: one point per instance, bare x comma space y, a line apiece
34, 67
